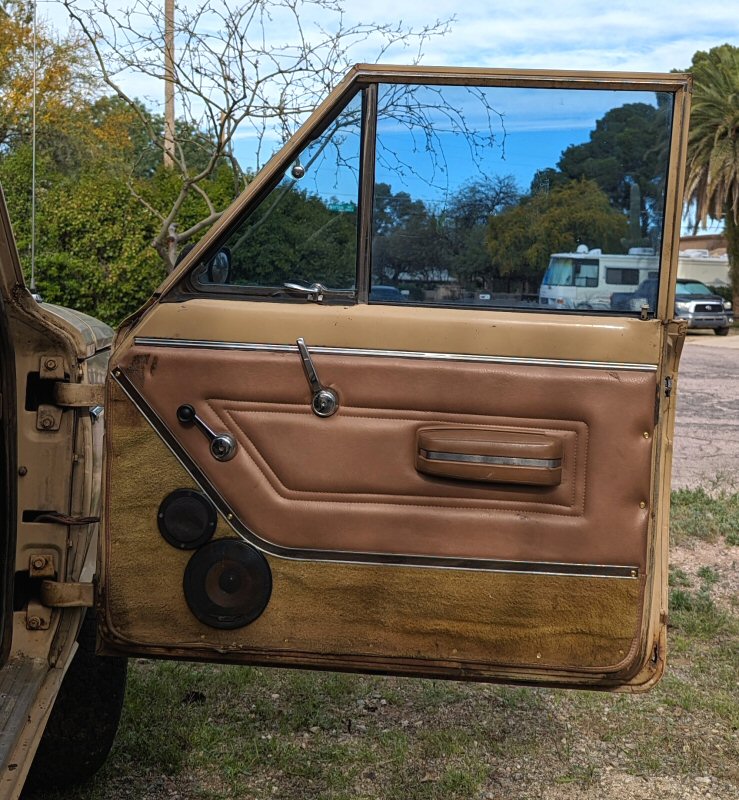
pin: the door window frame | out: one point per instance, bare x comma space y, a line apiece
180, 286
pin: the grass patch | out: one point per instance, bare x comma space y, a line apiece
706, 515
694, 612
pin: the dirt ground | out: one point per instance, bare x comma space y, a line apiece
707, 424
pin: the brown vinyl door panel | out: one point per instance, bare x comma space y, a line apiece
469, 486
375, 564
293, 470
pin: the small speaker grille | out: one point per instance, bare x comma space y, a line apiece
187, 519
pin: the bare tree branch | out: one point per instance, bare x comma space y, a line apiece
251, 68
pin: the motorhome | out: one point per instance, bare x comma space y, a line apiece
587, 278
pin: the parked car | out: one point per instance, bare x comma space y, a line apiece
388, 294
694, 302
319, 478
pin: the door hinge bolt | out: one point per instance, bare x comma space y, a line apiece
50, 363
33, 623
39, 563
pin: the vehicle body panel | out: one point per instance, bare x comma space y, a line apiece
54, 477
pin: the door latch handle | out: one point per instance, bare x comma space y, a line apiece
325, 401
222, 445
317, 291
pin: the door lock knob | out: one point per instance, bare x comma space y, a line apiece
222, 445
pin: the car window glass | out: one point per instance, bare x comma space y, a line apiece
514, 197
305, 229
694, 287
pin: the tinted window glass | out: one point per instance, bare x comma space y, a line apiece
517, 197
305, 229
622, 277
692, 287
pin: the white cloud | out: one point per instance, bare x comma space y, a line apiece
582, 34
563, 34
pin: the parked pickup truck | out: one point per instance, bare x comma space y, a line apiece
694, 302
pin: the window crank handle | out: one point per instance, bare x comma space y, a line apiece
222, 445
325, 402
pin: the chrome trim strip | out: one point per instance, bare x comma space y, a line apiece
508, 461
150, 341
556, 569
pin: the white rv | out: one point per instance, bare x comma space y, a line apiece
587, 278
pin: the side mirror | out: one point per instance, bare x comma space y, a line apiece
219, 267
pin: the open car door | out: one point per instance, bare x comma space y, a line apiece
348, 434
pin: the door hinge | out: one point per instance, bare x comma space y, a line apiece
51, 368
668, 386
69, 395
55, 594
79, 395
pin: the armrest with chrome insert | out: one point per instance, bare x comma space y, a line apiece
491, 455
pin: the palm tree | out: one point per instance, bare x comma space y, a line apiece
712, 178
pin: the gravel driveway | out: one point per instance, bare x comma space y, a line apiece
707, 423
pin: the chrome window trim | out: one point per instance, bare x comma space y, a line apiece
195, 344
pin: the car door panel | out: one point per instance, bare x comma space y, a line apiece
433, 621
293, 467
533, 577
488, 501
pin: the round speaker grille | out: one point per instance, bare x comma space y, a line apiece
187, 519
227, 584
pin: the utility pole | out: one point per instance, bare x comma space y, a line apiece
169, 76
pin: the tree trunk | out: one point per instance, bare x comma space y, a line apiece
731, 231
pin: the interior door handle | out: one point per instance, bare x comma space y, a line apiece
490, 455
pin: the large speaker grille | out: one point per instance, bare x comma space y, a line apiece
227, 584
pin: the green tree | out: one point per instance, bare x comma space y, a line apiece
261, 65
407, 237
63, 78
466, 224
521, 238
628, 147
295, 236
94, 249
97, 181
712, 176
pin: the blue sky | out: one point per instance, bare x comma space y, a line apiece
575, 34
561, 34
